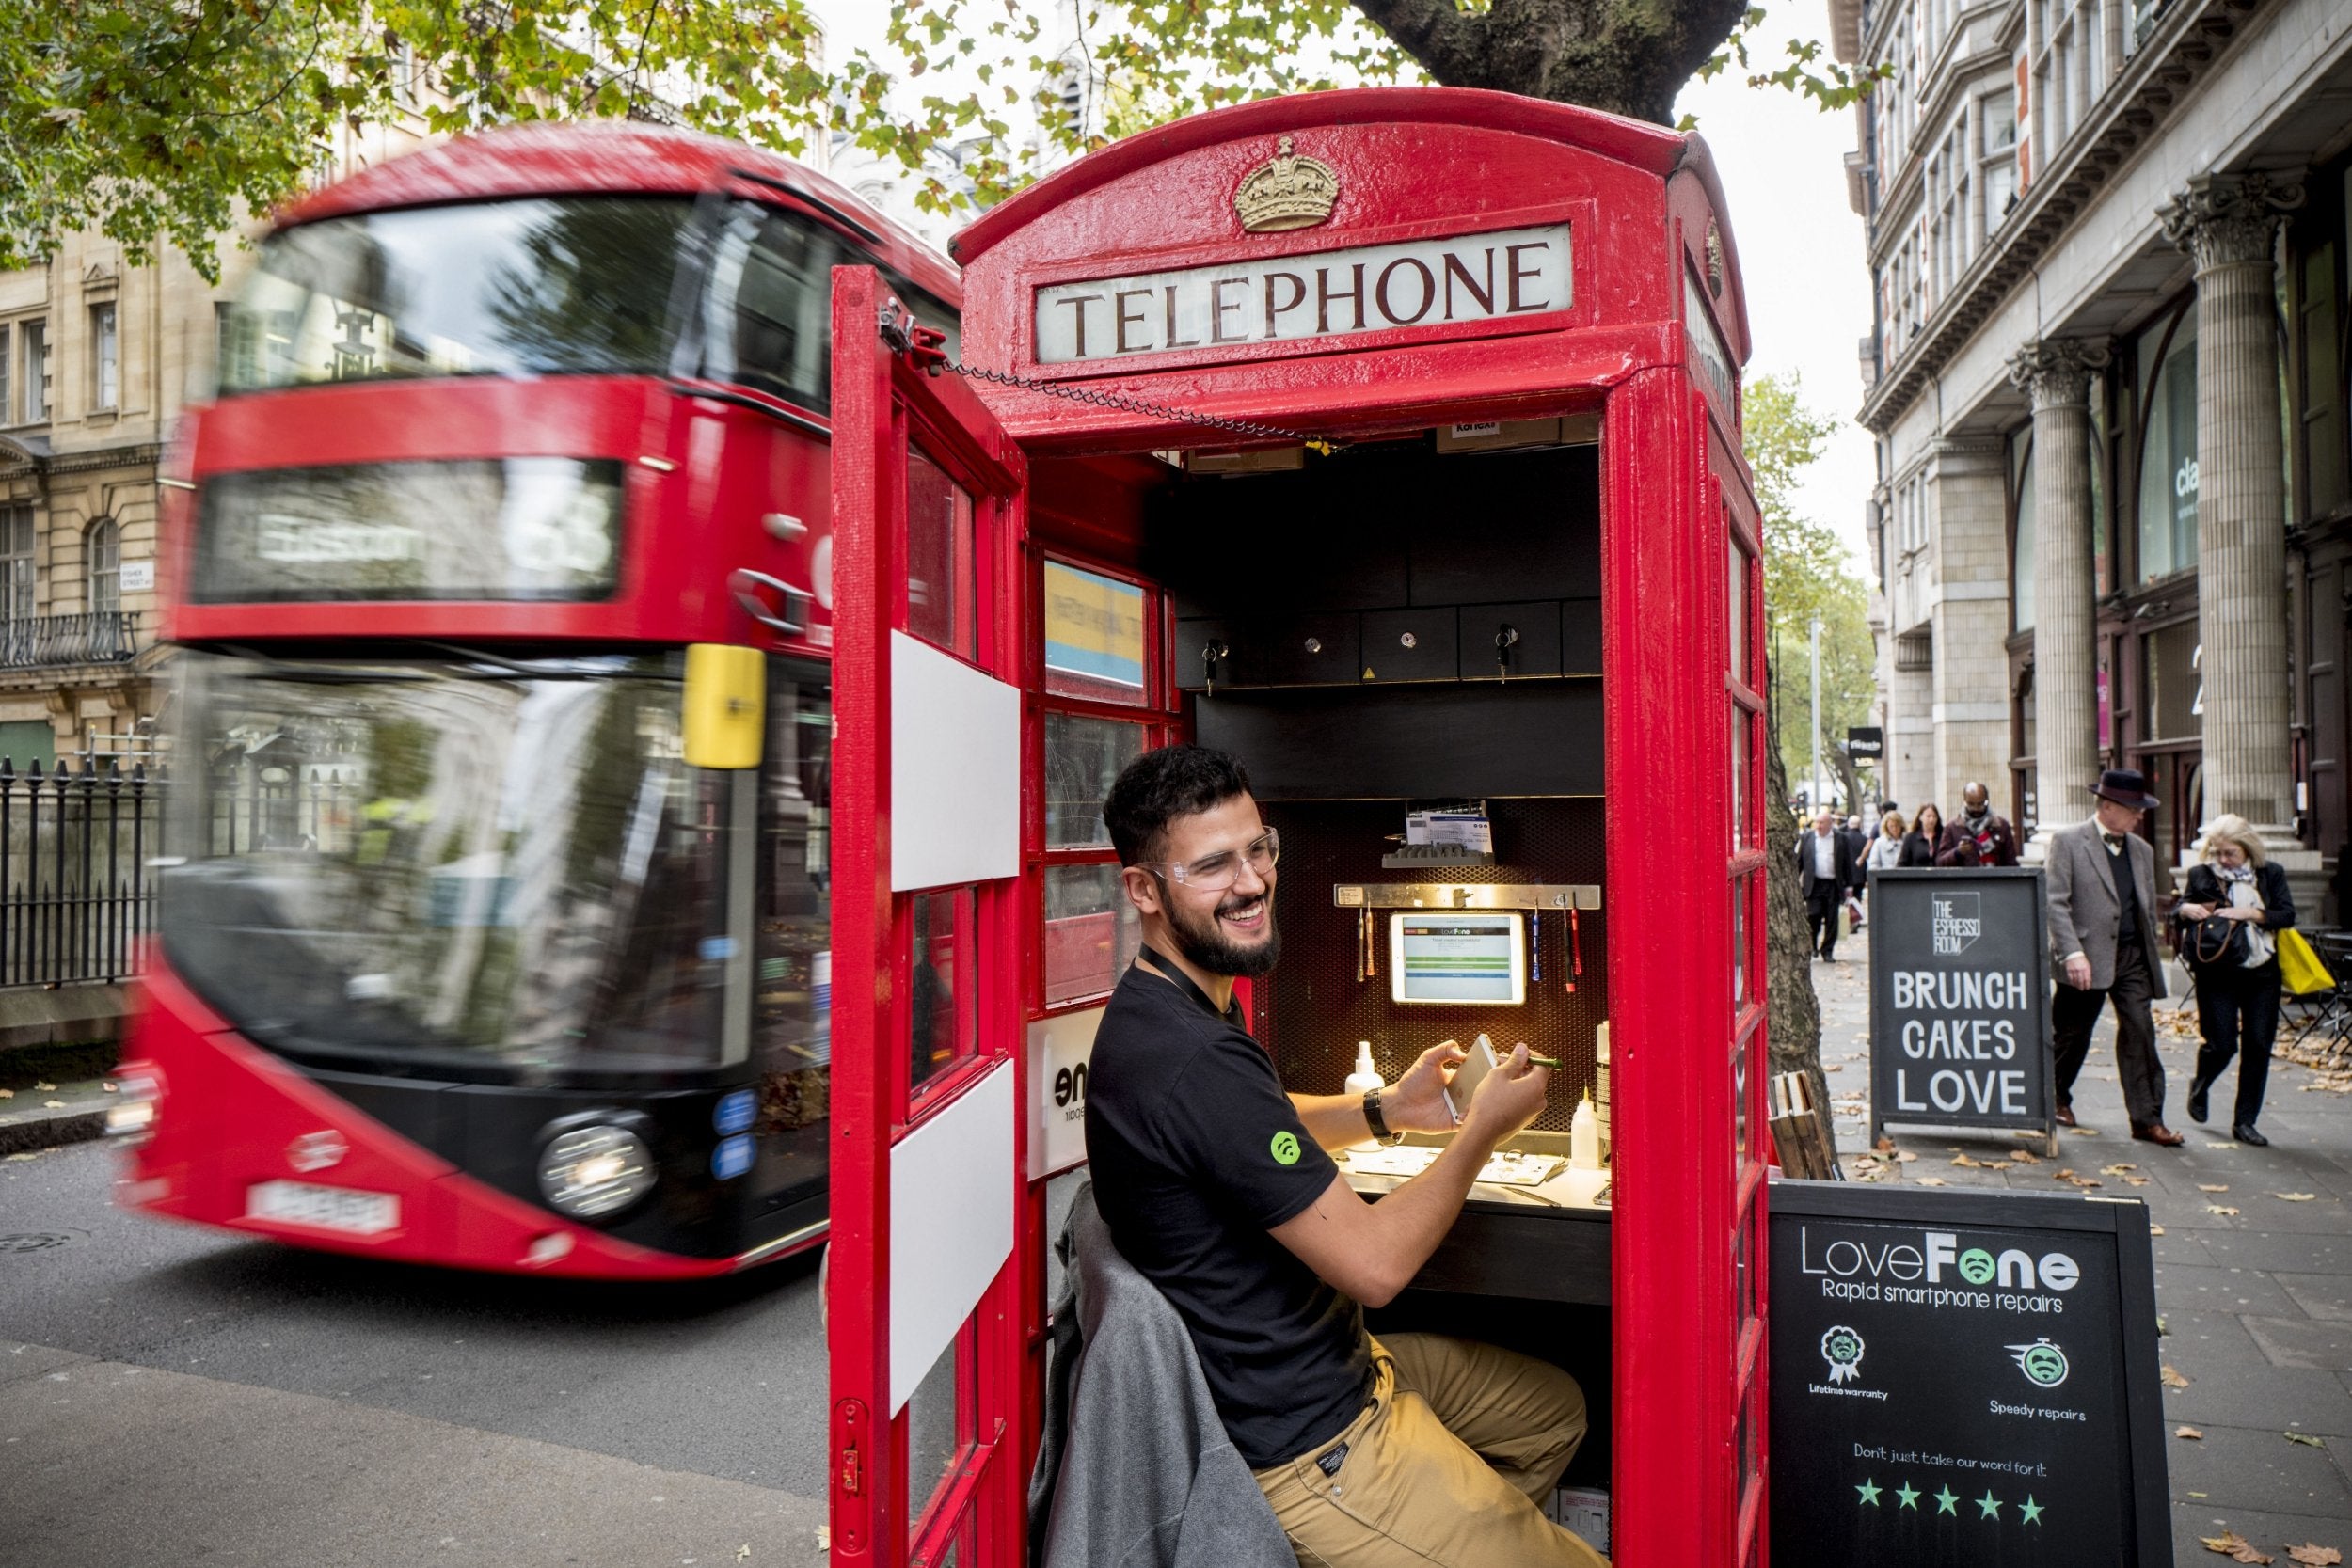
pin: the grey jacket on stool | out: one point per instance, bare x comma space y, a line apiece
1135, 1469
2085, 909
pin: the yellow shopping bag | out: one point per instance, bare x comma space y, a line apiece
2299, 966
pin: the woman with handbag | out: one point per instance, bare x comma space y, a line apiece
2235, 903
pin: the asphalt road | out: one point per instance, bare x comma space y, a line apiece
176, 1396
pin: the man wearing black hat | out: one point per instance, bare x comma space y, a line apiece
2104, 946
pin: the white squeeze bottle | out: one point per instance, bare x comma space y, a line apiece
1585, 1135
1601, 1091
1365, 1079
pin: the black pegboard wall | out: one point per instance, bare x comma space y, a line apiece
1315, 1009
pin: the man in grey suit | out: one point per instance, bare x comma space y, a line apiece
2104, 946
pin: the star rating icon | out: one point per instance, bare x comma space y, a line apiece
1907, 1494
1988, 1506
2031, 1513
1947, 1501
1869, 1490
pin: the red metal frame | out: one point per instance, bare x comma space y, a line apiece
1674, 495
881, 405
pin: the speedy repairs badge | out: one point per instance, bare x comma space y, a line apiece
1842, 1347
2042, 1362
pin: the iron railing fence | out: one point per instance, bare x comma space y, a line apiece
77, 878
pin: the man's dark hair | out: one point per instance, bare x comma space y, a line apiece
1160, 787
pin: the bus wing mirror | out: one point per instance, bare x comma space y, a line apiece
726, 692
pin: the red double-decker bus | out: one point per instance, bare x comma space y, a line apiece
471, 951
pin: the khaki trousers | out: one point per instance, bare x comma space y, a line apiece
1446, 1467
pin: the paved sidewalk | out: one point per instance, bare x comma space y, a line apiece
42, 1115
2253, 1265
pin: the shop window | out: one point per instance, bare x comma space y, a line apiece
2021, 572
2174, 690
1095, 636
942, 998
102, 557
940, 566
2167, 455
1083, 759
1092, 932
2328, 479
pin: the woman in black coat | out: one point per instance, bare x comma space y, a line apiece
2238, 995
1919, 844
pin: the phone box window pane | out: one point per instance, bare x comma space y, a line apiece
1083, 759
943, 1001
1739, 616
1092, 932
1094, 636
939, 558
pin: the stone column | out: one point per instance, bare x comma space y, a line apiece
2054, 374
2229, 225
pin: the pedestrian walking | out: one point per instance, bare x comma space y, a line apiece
1981, 836
2236, 903
2102, 946
1887, 850
1919, 844
1825, 872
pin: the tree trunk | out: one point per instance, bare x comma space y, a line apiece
1628, 56
1792, 1013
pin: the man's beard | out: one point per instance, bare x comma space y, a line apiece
1207, 946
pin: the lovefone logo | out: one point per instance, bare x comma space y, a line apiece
1842, 1348
2044, 1363
1955, 920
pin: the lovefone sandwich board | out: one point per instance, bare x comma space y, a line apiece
1964, 1380
1960, 1002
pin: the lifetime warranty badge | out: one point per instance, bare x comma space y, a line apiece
1842, 1347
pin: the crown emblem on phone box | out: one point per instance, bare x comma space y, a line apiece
1289, 190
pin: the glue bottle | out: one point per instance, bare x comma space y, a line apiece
1365, 1079
1585, 1135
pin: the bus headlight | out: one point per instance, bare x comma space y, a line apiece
590, 1172
131, 1116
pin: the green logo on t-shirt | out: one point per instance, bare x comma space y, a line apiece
1286, 1149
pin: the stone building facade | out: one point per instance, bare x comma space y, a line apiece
97, 359
2114, 519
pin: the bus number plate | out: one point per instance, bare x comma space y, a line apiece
341, 1208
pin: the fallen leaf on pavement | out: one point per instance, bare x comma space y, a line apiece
824, 1538
53, 1104
2024, 1158
111, 1088
2222, 1209
2115, 1169
2315, 1556
15, 1158
1929, 1181
2295, 1197
2221, 1146
2233, 1547
51, 1088
1834, 1067
2155, 1230
2209, 1187
8, 1094
2084, 1131
2303, 1437
2172, 1378
743, 1552
1906, 1156
1964, 1160
1998, 1165
2187, 1432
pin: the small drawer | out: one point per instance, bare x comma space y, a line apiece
1410, 645
1507, 642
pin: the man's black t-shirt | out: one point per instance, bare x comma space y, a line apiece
1196, 1154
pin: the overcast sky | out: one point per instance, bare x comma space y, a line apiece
1784, 175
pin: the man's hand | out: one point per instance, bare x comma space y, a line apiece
1416, 1103
1507, 1099
2078, 971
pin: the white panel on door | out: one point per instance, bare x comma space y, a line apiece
955, 770
951, 1186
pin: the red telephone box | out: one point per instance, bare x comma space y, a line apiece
1520, 591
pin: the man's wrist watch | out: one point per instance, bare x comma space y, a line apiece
1374, 1121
